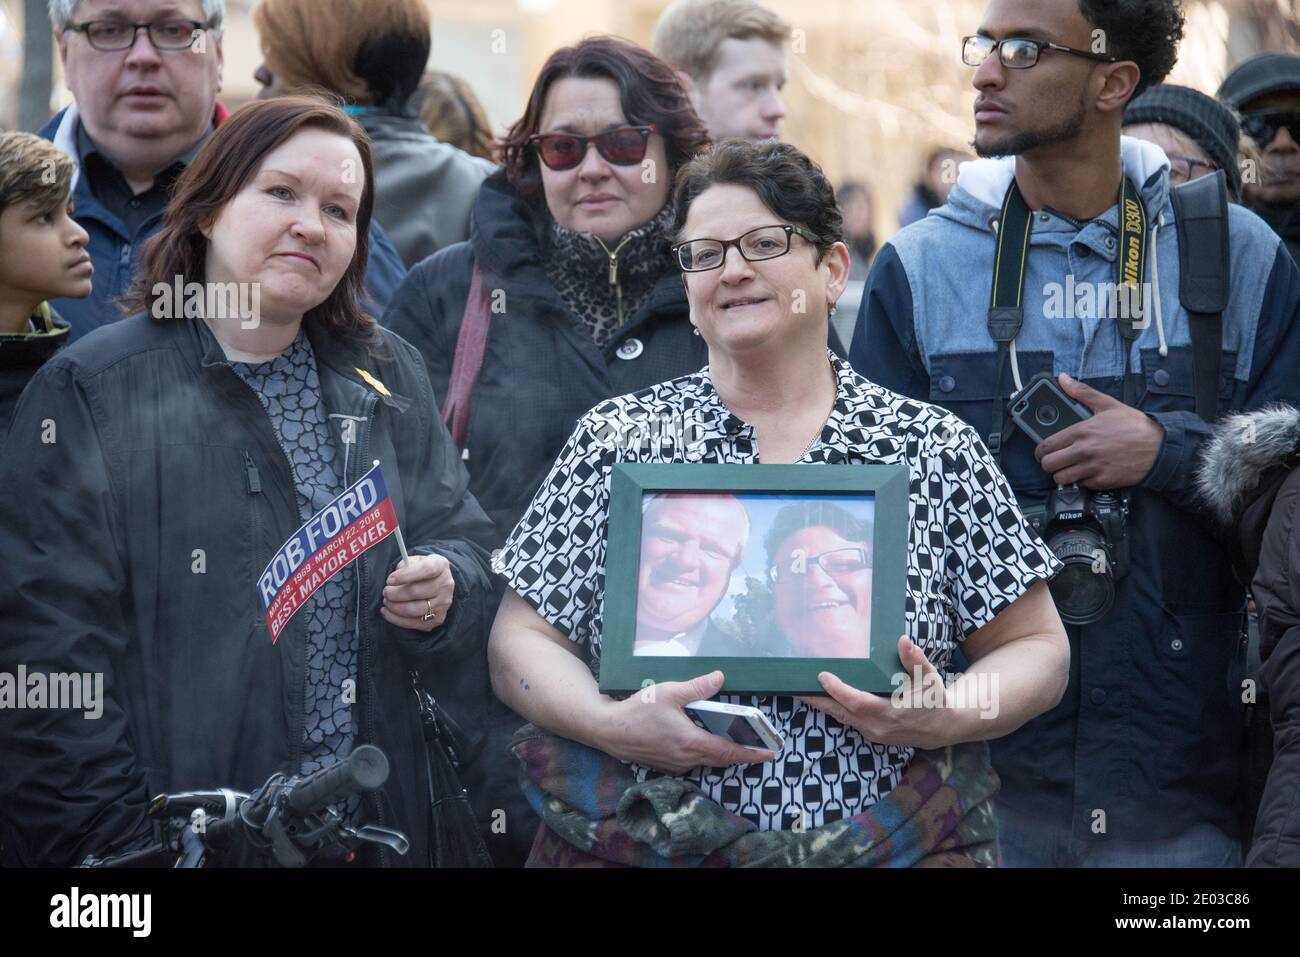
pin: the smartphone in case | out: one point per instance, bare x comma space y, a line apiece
742, 724
1042, 408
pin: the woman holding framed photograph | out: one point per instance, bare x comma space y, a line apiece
761, 252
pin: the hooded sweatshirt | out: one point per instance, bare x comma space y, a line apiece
1149, 728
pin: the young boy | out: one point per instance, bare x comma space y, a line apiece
42, 256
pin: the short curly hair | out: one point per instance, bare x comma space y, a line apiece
1145, 31
788, 182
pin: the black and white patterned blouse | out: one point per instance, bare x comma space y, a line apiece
289, 388
970, 555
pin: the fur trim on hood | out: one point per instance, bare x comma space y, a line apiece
1243, 448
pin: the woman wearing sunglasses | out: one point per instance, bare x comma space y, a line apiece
759, 244
579, 297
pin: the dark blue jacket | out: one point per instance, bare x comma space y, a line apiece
115, 252
1150, 731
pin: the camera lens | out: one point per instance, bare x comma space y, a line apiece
1083, 593
1047, 415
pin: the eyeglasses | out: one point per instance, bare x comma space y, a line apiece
624, 146
1183, 168
764, 242
1017, 53
1263, 125
836, 563
115, 35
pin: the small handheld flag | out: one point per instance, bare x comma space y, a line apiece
344, 530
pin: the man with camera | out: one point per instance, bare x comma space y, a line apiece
1044, 305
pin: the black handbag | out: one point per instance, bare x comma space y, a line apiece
454, 837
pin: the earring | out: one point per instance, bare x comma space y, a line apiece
695, 330
834, 306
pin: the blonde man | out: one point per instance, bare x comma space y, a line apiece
730, 55
42, 256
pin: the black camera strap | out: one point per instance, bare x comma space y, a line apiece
1204, 278
1006, 310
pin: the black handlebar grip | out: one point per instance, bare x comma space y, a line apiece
365, 769
218, 832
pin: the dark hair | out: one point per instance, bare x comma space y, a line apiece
224, 166
391, 65
789, 183
366, 51
812, 514
649, 92
1144, 31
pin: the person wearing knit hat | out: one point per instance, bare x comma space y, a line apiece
1197, 133
1265, 90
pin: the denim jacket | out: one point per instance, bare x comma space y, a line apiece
1150, 730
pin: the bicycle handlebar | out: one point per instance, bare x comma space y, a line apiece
366, 769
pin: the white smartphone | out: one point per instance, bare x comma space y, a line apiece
740, 723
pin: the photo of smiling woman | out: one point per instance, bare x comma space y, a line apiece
759, 244
191, 442
820, 569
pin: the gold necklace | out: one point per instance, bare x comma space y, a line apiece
821, 428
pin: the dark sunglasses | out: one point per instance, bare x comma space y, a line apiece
624, 146
1264, 125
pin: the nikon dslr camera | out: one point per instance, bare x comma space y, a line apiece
1086, 530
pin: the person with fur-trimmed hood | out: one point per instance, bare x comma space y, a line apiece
1250, 479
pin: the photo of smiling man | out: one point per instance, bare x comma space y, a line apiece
820, 570
690, 545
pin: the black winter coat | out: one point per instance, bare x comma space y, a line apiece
1251, 479
133, 539
541, 370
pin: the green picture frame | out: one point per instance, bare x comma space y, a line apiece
622, 671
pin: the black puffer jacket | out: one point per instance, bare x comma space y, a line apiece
1250, 477
133, 538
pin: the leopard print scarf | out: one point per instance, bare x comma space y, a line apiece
599, 296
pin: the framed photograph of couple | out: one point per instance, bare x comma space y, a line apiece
771, 573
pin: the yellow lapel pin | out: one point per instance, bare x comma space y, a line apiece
373, 382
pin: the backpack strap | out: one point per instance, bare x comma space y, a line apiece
1205, 272
471, 344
